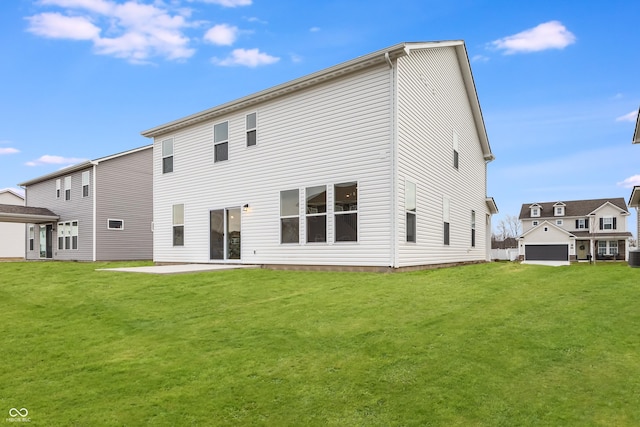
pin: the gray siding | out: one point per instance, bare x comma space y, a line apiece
43, 194
124, 191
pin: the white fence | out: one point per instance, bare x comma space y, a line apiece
504, 254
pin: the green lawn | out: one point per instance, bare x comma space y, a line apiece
496, 344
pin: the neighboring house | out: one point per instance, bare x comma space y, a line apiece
634, 201
574, 230
376, 162
11, 234
103, 210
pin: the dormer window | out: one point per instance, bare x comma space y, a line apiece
535, 211
558, 209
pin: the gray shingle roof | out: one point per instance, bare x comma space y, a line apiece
578, 208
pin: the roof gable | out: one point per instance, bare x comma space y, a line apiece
376, 58
82, 165
578, 208
634, 200
636, 134
541, 226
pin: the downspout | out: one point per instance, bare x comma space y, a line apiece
94, 214
393, 156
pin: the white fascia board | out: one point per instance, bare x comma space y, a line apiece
634, 200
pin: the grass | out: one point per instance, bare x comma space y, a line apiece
498, 344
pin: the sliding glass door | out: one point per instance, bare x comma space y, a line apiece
225, 234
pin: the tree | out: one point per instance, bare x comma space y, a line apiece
508, 227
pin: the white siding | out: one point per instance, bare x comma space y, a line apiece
336, 132
12, 241
433, 105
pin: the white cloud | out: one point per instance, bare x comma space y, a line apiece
630, 182
8, 150
314, 29
57, 26
54, 160
247, 57
629, 117
99, 6
480, 58
130, 30
228, 3
223, 35
549, 35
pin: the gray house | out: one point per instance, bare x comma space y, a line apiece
98, 210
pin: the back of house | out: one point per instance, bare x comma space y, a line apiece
377, 162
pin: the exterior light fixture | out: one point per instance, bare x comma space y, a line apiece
245, 208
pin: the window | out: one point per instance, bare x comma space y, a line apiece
608, 223
58, 188
559, 210
582, 223
535, 211
251, 130
316, 211
534, 223
32, 236
346, 211
167, 156
289, 216
473, 229
67, 188
68, 235
85, 184
178, 225
61, 235
221, 142
115, 224
410, 205
607, 247
446, 218
559, 222
455, 150
74, 235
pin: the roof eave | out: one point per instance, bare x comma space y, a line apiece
634, 200
28, 218
636, 134
378, 57
59, 172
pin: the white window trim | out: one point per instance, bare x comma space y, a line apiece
354, 211
58, 188
605, 220
317, 214
224, 141
86, 180
535, 212
411, 212
290, 217
164, 156
117, 228
248, 129
559, 222
67, 187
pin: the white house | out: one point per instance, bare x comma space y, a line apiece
377, 162
577, 230
12, 241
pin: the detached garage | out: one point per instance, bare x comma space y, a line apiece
547, 244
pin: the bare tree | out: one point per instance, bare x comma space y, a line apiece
509, 226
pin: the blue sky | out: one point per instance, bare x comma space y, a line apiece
80, 79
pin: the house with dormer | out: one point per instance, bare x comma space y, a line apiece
577, 230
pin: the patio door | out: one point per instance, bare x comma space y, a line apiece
46, 241
225, 234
